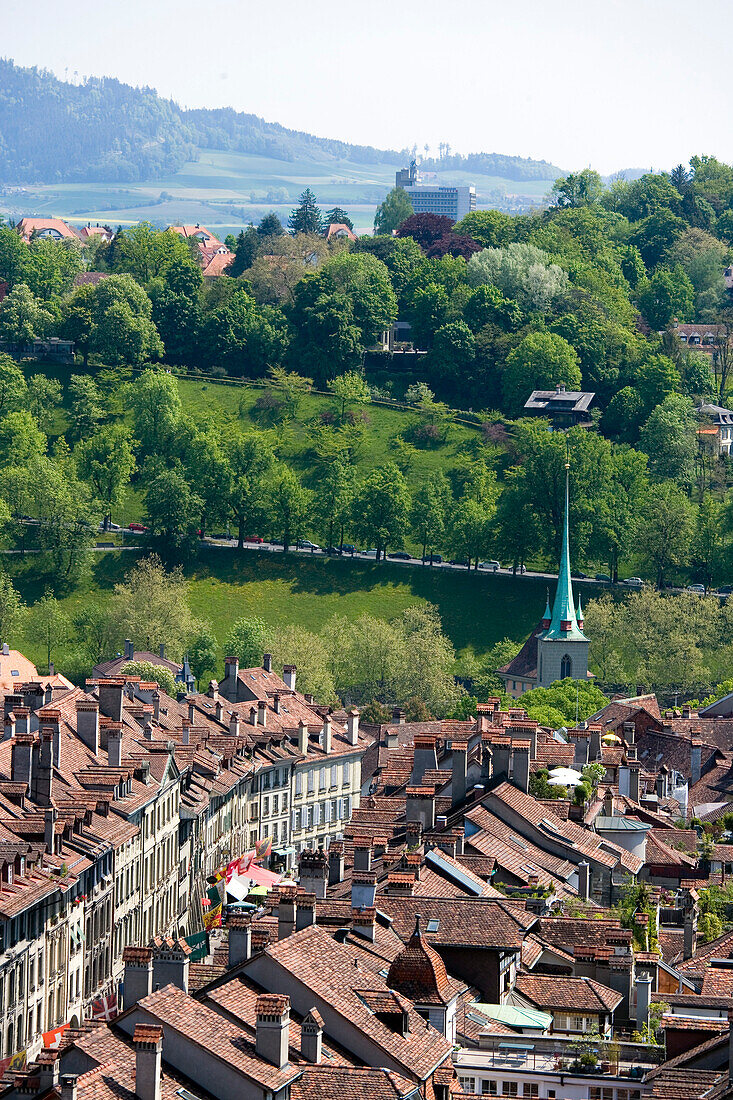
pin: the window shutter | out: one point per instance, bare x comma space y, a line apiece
298, 782
292, 819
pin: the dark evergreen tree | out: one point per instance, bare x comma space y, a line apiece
270, 226
306, 218
245, 253
338, 216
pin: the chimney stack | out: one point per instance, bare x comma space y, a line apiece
239, 940
326, 734
231, 675
643, 1000
234, 724
138, 975
398, 716
170, 965
303, 737
352, 726
424, 759
362, 854
49, 829
87, 722
289, 672
695, 760
459, 758
115, 747
520, 771
311, 1037
68, 1086
287, 907
262, 712
336, 862
21, 758
273, 1028
148, 1042
584, 880
129, 650
267, 662
110, 693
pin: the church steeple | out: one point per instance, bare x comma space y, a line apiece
565, 623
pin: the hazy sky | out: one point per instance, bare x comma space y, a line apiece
615, 84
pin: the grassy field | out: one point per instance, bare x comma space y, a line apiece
477, 609
224, 191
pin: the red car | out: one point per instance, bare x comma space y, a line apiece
136, 527
253, 538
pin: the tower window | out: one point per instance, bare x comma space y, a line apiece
566, 667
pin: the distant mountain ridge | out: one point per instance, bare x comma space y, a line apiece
53, 131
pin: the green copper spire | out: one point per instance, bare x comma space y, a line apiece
579, 613
564, 623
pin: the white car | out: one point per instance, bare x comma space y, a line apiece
633, 582
493, 566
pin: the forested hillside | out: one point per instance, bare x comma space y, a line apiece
52, 131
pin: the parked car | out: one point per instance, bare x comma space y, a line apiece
580, 576
254, 538
603, 577
141, 528
401, 555
724, 590
333, 550
697, 588
633, 582
494, 566
520, 568
349, 548
455, 561
369, 553
434, 559
304, 544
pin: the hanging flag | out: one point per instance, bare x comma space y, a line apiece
263, 847
199, 944
52, 1039
104, 1007
14, 1064
212, 917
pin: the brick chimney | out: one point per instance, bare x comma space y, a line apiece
43, 779
239, 940
305, 915
68, 1086
262, 712
352, 726
148, 1042
273, 1028
138, 980
424, 759
362, 854
289, 674
170, 964
311, 1037
267, 662
326, 735
87, 722
363, 922
398, 716
21, 758
287, 908
313, 872
459, 758
234, 724
49, 829
303, 737
110, 693
336, 862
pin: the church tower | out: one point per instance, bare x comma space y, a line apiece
562, 647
